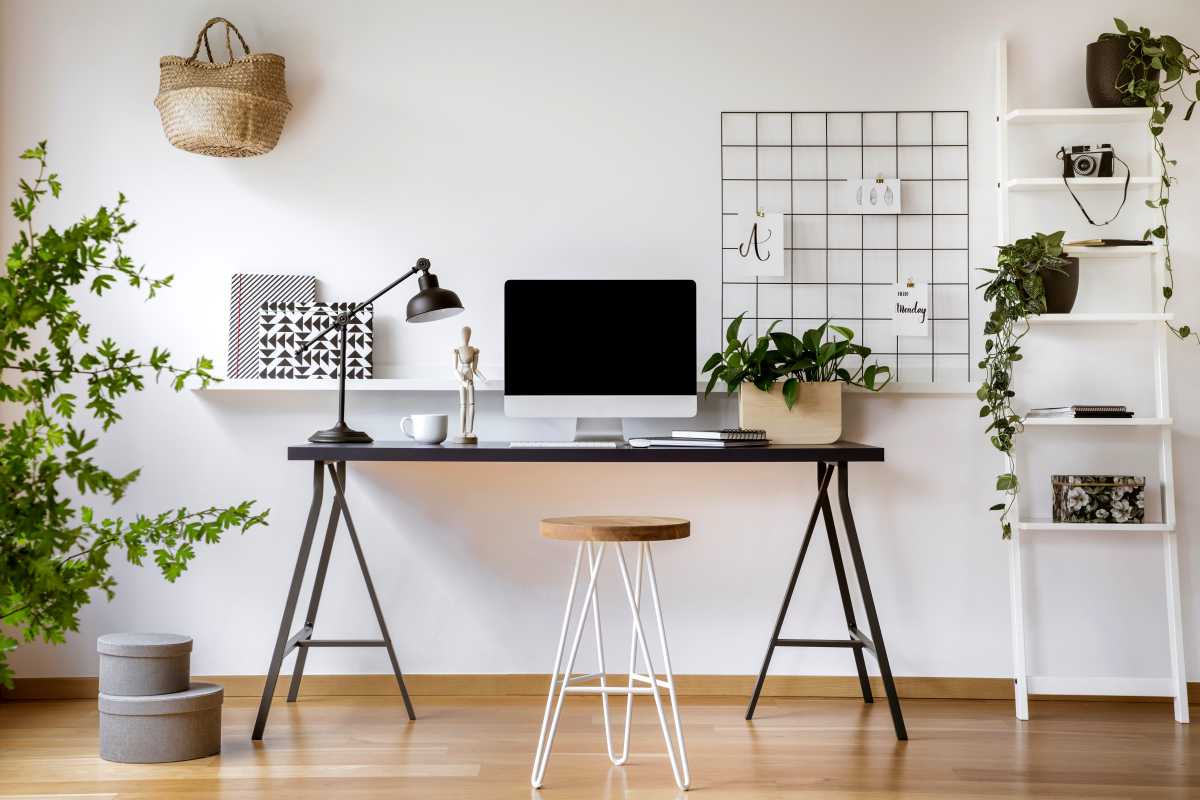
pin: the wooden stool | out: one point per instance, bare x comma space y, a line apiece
595, 534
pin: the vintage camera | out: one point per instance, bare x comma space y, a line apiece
1087, 161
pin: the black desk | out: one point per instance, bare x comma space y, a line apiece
330, 459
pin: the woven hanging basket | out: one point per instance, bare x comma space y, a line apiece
230, 110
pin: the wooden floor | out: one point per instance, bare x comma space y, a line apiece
357, 747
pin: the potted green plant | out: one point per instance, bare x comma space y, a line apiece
805, 372
1133, 67
1017, 291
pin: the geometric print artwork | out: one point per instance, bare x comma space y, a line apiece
283, 327
841, 264
247, 293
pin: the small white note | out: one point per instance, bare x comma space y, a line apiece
759, 242
910, 313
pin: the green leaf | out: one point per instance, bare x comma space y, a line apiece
1121, 26
731, 333
712, 381
998, 507
1185, 331
791, 392
1006, 482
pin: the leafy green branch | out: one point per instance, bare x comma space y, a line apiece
54, 551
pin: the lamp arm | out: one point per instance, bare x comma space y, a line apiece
421, 266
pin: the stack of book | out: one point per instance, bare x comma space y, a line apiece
1080, 412
726, 437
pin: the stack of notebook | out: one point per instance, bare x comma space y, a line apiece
1080, 412
726, 437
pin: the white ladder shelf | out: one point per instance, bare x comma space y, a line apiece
1024, 684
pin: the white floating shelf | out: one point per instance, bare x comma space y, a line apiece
1064, 116
1097, 527
450, 385
1098, 319
1045, 184
1072, 422
1122, 251
353, 385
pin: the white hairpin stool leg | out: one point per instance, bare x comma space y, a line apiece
594, 568
546, 738
662, 637
682, 780
637, 602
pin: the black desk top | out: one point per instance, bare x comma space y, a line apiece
501, 451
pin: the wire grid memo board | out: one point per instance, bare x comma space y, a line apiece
842, 266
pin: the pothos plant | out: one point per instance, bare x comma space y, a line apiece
55, 549
1152, 67
816, 356
1016, 291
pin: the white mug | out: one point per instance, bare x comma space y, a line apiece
427, 428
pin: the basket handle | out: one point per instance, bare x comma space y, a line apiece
202, 38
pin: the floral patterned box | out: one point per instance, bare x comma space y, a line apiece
1099, 498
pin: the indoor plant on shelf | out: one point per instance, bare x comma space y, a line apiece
791, 386
1132, 67
1017, 291
54, 550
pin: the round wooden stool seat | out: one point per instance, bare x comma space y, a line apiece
616, 529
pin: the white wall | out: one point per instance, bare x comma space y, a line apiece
527, 139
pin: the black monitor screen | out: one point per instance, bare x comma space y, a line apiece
601, 337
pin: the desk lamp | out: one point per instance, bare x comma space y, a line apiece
430, 304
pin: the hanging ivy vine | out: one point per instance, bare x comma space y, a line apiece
1152, 67
1016, 291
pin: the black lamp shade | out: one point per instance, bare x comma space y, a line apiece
432, 302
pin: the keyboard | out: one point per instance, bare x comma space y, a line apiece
608, 445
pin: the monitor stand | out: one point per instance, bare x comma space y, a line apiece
599, 429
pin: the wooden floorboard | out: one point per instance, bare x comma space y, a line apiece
481, 747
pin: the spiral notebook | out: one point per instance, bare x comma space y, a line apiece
724, 434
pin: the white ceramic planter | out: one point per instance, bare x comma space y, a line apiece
816, 418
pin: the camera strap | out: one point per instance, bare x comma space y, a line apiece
1124, 196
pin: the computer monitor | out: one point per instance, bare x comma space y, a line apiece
600, 349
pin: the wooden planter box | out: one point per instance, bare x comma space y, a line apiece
816, 418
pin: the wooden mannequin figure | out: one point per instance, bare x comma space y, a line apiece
466, 365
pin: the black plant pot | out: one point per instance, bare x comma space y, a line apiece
1061, 289
1103, 66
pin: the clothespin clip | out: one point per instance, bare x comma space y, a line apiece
879, 178
760, 212
909, 283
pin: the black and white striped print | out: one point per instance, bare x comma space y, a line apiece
247, 294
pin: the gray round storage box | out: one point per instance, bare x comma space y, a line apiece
165, 727
137, 664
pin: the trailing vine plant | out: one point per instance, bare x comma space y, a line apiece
54, 549
1016, 291
1153, 66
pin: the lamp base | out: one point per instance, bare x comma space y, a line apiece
340, 434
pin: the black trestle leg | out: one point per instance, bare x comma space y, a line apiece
787, 597
839, 568
339, 487
314, 603
289, 606
864, 584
